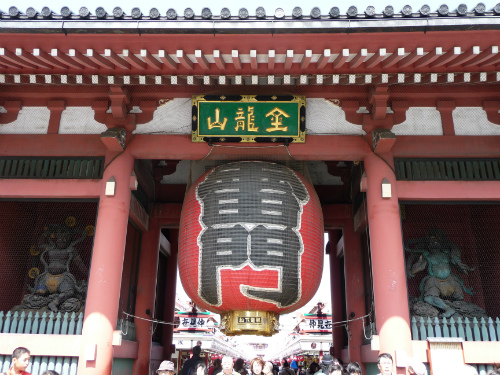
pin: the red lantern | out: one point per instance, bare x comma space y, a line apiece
300, 358
251, 240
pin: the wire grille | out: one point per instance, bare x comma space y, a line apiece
460, 238
42, 242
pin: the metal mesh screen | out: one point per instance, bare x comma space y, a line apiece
452, 259
46, 248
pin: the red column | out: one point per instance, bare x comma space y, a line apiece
389, 278
101, 309
336, 291
145, 299
168, 329
354, 288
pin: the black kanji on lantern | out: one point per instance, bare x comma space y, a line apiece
251, 215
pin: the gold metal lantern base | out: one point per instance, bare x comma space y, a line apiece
239, 322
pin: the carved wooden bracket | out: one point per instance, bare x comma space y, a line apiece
119, 100
12, 107
119, 118
491, 108
378, 101
379, 119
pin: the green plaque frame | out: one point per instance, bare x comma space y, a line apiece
249, 118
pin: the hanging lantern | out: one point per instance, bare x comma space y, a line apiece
251, 244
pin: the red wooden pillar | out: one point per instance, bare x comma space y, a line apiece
101, 309
389, 278
169, 310
145, 299
354, 288
336, 291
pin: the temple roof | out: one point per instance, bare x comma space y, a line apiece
261, 21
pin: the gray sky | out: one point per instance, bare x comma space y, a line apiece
233, 5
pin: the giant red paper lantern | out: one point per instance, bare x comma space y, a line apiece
251, 240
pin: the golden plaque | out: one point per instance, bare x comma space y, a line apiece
261, 323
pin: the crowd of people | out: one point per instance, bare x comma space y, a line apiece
327, 366
227, 366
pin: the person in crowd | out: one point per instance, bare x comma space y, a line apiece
384, 364
50, 372
326, 362
276, 369
20, 362
335, 370
301, 371
256, 366
200, 369
286, 369
227, 366
268, 368
239, 367
166, 368
416, 367
315, 369
190, 364
354, 368
216, 368
293, 365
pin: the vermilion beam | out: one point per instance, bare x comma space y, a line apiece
99, 60
341, 58
394, 58
323, 60
219, 61
306, 60
150, 60
18, 188
253, 59
26, 56
201, 59
82, 59
271, 59
430, 57
317, 147
65, 59
133, 59
115, 59
9, 57
449, 190
376, 58
45, 57
411, 58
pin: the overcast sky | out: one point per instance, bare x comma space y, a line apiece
233, 5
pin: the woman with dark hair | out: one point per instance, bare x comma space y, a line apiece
336, 370
286, 368
239, 367
216, 368
256, 366
200, 369
314, 368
